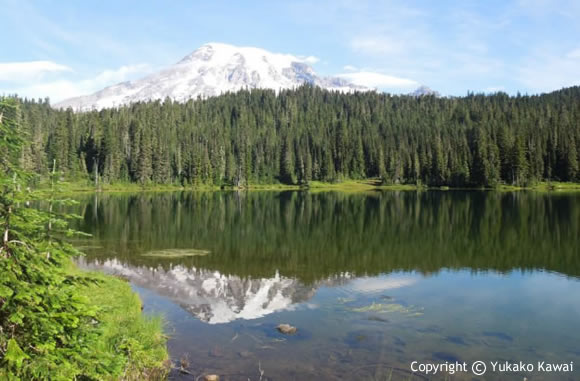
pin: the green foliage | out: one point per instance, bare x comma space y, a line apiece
14, 356
309, 134
130, 346
46, 326
49, 328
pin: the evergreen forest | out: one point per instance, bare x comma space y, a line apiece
297, 136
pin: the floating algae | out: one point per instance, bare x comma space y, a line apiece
374, 307
88, 247
409, 311
176, 253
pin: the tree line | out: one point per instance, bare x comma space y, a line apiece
297, 136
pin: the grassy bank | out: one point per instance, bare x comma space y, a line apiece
68, 187
131, 344
314, 186
57, 322
359, 186
544, 186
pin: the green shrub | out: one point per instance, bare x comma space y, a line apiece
49, 328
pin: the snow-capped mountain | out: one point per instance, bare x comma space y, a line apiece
211, 70
424, 90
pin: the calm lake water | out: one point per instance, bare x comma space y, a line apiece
373, 281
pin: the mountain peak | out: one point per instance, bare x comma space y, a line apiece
424, 90
213, 69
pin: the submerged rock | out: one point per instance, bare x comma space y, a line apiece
286, 329
215, 352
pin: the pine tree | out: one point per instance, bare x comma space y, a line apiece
287, 163
144, 166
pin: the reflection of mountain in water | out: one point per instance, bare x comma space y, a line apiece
213, 297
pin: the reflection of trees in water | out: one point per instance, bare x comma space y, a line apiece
312, 236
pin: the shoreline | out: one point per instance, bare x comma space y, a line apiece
350, 186
136, 340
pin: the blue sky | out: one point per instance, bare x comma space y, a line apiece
66, 48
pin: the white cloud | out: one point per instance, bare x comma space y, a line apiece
61, 89
378, 80
31, 70
545, 71
55, 90
349, 68
120, 74
574, 54
376, 45
494, 89
309, 59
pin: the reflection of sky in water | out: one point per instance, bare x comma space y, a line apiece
210, 296
377, 284
216, 298
352, 324
371, 281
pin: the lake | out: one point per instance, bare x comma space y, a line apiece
373, 281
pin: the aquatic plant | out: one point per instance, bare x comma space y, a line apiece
409, 311
176, 253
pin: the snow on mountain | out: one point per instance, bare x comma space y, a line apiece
211, 70
424, 90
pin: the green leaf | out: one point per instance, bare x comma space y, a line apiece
16, 318
5, 292
14, 354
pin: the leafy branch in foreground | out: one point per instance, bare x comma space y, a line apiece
45, 326
49, 329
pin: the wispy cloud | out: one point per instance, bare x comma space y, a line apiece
61, 89
26, 71
378, 80
523, 45
573, 54
89, 39
311, 60
374, 45
409, 45
545, 70
494, 89
120, 74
